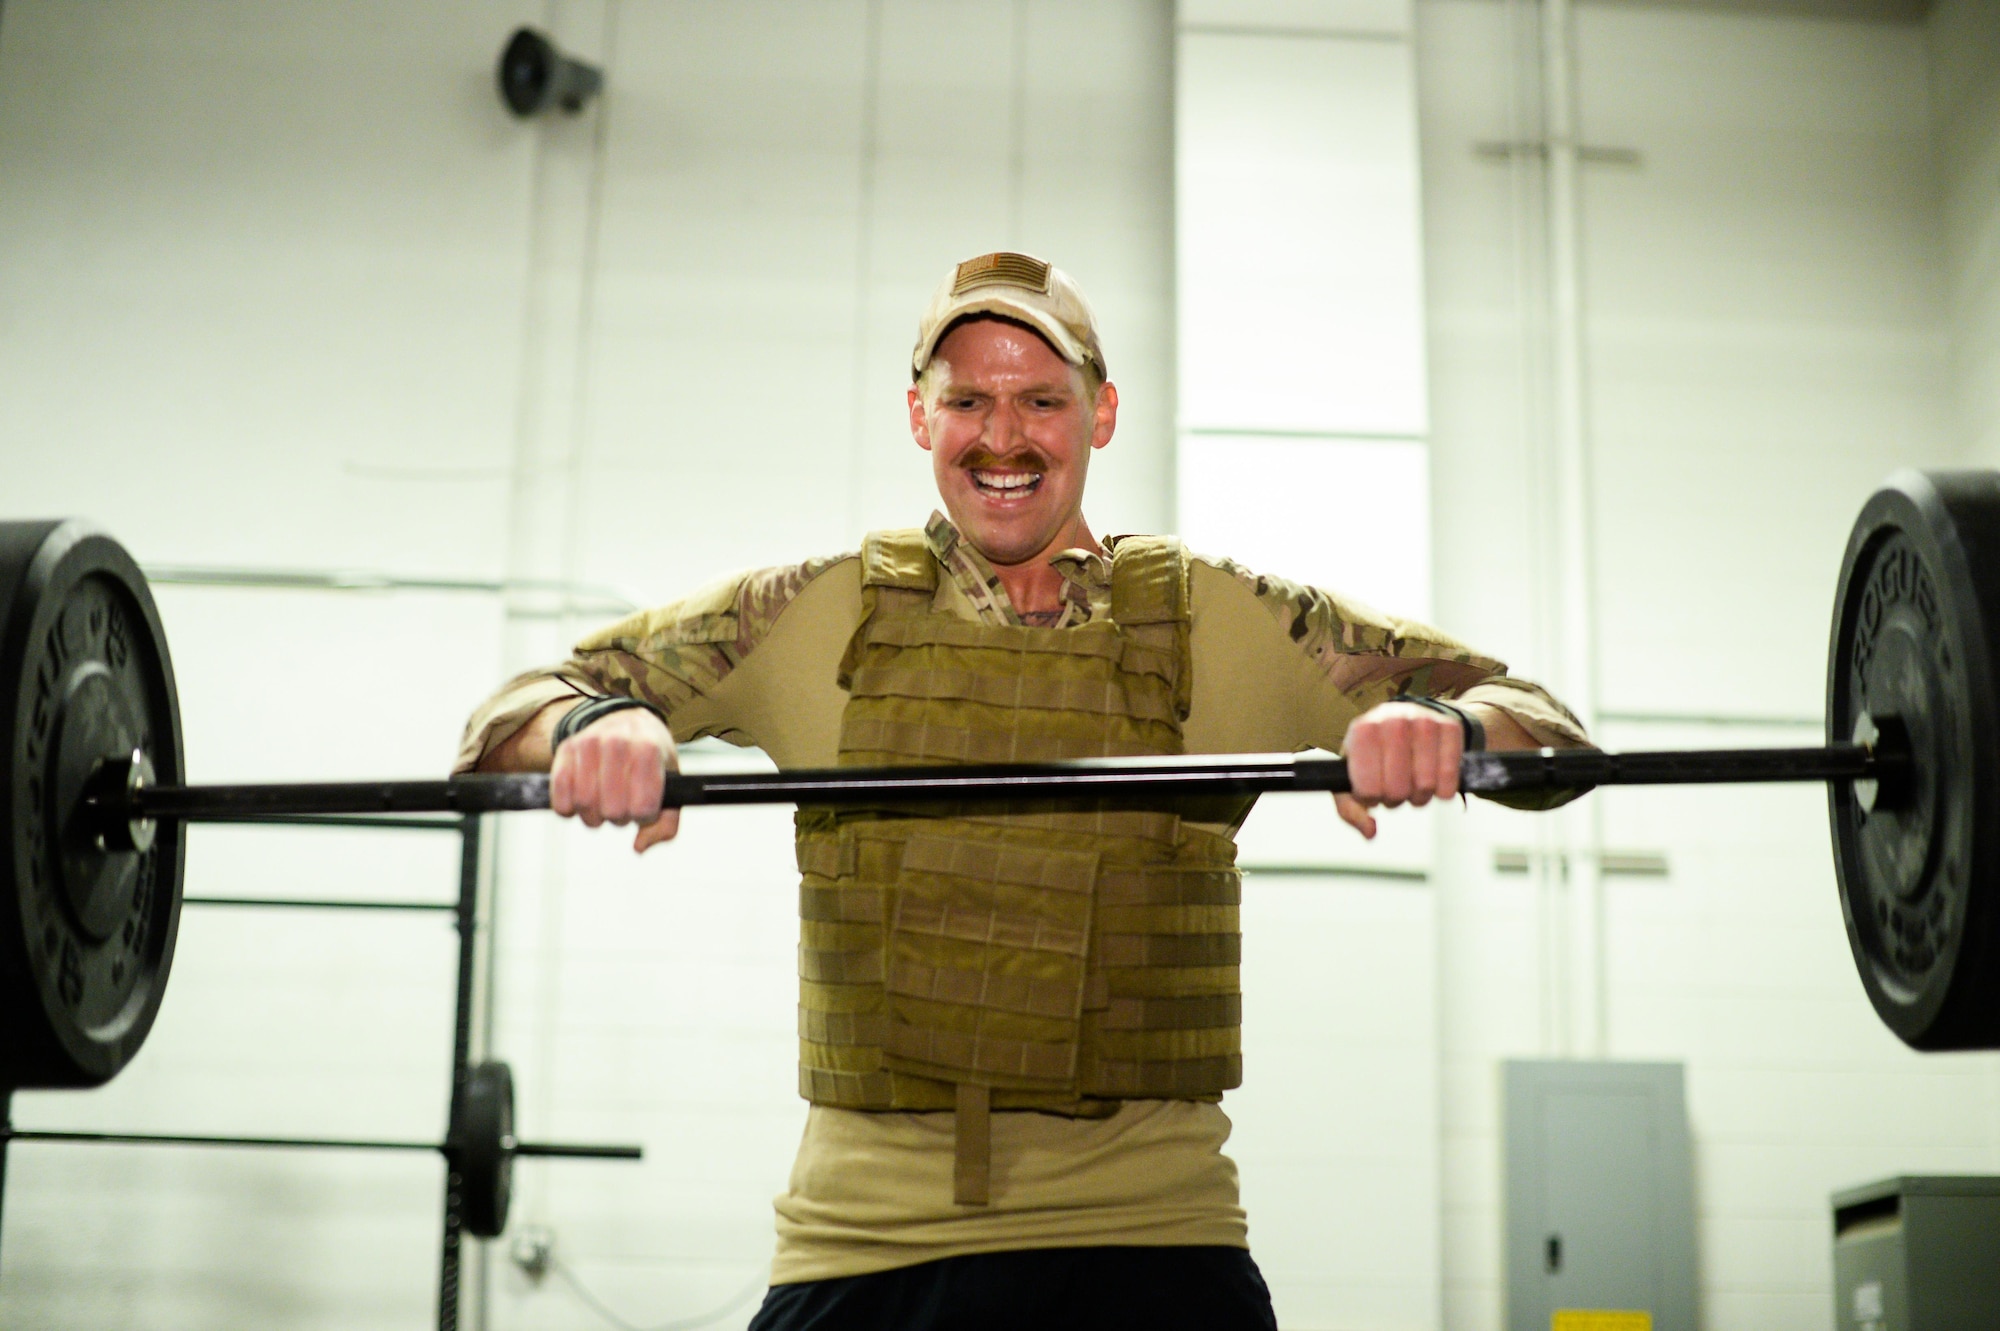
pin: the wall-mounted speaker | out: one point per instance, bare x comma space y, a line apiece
534, 76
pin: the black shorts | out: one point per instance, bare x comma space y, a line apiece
1160, 1289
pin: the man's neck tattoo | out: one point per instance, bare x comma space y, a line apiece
1041, 619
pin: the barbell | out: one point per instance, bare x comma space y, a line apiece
91, 866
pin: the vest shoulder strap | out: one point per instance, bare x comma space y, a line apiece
898, 579
1149, 604
1149, 581
899, 558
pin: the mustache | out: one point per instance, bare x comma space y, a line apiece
1029, 458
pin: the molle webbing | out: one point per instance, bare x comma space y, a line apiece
968, 959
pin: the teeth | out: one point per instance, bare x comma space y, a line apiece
1006, 480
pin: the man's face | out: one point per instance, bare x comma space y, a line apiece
1009, 429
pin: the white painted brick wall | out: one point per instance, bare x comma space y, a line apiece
1767, 340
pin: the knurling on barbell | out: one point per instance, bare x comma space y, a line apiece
90, 900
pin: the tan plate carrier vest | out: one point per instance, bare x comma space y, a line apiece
979, 958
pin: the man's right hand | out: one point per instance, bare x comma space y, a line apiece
614, 771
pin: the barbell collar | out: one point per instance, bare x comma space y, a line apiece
116, 782
1105, 778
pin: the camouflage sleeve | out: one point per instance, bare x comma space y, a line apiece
1369, 657
498, 718
669, 657
1533, 708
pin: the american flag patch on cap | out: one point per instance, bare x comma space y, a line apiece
1001, 269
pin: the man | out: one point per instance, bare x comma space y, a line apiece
1016, 1025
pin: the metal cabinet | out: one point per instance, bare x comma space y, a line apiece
1600, 1198
1917, 1254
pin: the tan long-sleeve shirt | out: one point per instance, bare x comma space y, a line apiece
1277, 667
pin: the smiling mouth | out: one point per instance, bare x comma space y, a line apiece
1006, 484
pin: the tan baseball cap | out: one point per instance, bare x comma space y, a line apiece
1013, 286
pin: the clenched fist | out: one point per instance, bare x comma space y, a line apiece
1399, 753
614, 771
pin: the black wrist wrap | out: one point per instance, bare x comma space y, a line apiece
592, 711
1475, 731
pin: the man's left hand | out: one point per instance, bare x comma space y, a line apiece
1399, 753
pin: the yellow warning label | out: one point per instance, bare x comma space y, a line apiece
1600, 1319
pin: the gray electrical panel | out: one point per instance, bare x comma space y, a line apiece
1917, 1254
1600, 1197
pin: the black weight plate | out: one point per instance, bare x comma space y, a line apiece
86, 932
482, 1154
1914, 645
